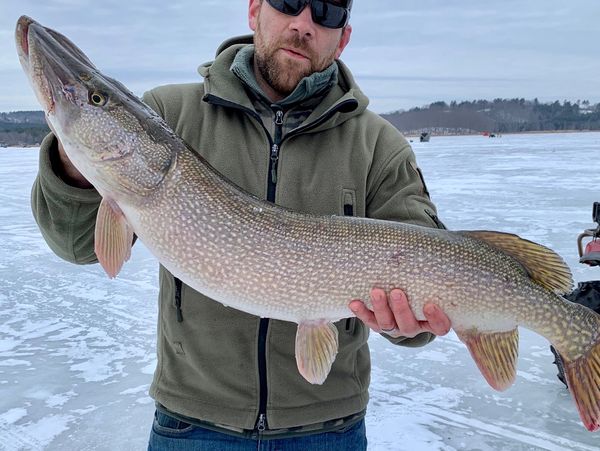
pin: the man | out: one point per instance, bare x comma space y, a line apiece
283, 119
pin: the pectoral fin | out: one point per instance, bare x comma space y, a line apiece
113, 238
495, 354
316, 348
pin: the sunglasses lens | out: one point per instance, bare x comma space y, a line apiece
289, 7
325, 13
329, 15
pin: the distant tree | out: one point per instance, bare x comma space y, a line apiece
439, 104
499, 115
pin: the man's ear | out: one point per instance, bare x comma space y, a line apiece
253, 11
344, 40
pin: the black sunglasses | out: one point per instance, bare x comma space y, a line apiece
326, 13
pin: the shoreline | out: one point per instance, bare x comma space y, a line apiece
499, 135
415, 137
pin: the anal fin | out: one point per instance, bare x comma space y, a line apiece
113, 238
316, 348
495, 354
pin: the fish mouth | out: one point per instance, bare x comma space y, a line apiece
52, 63
33, 62
21, 35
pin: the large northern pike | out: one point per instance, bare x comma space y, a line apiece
265, 260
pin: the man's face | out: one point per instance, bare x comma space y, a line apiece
289, 48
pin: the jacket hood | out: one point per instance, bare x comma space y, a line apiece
344, 100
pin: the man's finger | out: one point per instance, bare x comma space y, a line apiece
383, 313
439, 323
408, 325
364, 314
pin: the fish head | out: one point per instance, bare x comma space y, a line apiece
116, 141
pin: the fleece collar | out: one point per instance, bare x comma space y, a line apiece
341, 102
314, 85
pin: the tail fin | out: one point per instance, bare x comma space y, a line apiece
583, 379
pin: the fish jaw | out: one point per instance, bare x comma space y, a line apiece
53, 70
43, 61
21, 39
112, 138
31, 65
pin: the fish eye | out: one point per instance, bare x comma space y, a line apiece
98, 99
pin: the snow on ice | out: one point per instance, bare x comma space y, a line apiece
77, 350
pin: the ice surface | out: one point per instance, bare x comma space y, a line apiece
77, 350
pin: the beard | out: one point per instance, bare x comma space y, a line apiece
281, 73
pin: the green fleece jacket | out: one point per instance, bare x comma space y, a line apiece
221, 365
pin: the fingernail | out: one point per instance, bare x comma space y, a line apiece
430, 309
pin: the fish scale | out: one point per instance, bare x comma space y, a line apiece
269, 261
272, 262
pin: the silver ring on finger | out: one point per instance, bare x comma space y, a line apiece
392, 331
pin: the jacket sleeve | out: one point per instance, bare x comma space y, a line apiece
398, 193
150, 99
66, 215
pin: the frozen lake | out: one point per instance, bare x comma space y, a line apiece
77, 351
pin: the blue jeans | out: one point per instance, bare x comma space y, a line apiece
170, 434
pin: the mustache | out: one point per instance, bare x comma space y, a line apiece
298, 43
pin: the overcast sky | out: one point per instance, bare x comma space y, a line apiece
403, 53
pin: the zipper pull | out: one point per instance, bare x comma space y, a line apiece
262, 423
274, 158
279, 117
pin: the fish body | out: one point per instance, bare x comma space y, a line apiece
272, 262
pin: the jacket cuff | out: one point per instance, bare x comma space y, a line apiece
51, 183
415, 342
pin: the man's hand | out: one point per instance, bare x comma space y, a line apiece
392, 315
63, 167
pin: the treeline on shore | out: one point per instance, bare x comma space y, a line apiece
22, 128
497, 116
28, 128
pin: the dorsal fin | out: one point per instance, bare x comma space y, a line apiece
543, 265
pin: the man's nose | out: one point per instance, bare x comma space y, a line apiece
303, 23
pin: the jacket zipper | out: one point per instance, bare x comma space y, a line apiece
324, 118
178, 287
275, 145
279, 139
434, 217
261, 423
222, 102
